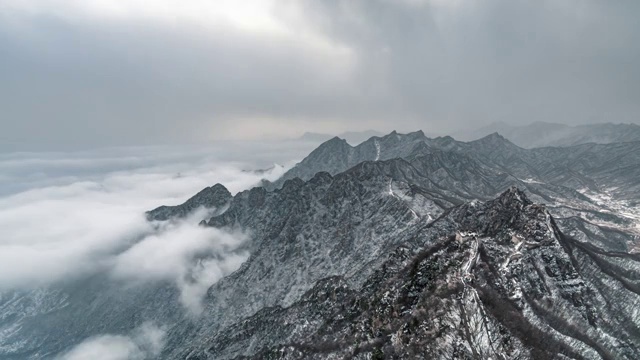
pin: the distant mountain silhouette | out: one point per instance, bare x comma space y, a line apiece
541, 134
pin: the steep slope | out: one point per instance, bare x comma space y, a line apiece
362, 243
593, 166
495, 279
571, 180
336, 155
307, 231
213, 197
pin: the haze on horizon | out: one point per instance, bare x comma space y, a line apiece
78, 74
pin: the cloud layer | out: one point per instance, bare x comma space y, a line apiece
81, 73
145, 342
191, 256
90, 219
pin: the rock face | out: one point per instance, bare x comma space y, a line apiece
484, 280
216, 196
400, 247
598, 183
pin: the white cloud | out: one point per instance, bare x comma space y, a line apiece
192, 256
194, 286
106, 347
145, 342
80, 222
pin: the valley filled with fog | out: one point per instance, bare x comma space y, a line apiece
71, 216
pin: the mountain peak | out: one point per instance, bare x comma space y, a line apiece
495, 135
511, 210
416, 135
514, 195
217, 187
214, 193
333, 145
215, 196
336, 140
495, 140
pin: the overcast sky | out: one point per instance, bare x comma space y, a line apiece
83, 73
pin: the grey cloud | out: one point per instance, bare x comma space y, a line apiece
515, 61
436, 65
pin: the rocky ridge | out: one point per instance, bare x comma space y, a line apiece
495, 279
213, 197
597, 183
544, 134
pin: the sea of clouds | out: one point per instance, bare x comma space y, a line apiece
67, 216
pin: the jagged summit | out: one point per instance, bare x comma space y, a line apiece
216, 196
495, 141
494, 136
336, 155
514, 195
352, 137
335, 140
395, 136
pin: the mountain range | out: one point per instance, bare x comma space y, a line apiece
352, 137
403, 246
542, 134
533, 135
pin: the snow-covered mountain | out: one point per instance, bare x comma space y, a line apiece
596, 167
484, 280
542, 134
403, 246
